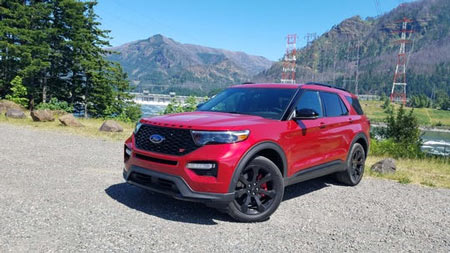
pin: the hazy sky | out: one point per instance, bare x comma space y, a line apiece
255, 27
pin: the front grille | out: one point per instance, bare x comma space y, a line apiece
177, 141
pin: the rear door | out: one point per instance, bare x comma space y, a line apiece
336, 128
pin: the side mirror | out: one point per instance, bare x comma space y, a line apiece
306, 113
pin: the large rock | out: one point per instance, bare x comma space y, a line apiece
111, 126
69, 120
15, 113
5, 105
42, 115
384, 166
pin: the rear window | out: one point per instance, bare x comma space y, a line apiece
355, 104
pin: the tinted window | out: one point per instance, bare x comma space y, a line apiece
332, 104
343, 107
310, 100
355, 104
265, 102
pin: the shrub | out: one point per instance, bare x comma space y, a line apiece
389, 147
419, 101
131, 113
402, 127
176, 107
401, 137
18, 92
55, 105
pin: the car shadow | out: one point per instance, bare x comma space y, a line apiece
167, 208
304, 188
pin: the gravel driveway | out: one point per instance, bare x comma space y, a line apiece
61, 192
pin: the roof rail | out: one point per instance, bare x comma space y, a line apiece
328, 85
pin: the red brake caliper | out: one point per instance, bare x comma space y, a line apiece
263, 186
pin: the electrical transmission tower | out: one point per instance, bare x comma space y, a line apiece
398, 92
289, 62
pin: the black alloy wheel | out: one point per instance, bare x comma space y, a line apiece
258, 191
355, 166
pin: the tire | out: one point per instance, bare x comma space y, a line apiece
258, 191
355, 166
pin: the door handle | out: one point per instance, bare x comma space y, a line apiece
322, 125
350, 120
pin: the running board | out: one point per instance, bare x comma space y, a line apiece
315, 172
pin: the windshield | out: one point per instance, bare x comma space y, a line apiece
270, 103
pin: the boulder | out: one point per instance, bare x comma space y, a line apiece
69, 120
15, 113
384, 166
5, 105
42, 115
111, 126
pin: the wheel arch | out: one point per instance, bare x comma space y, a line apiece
268, 149
362, 139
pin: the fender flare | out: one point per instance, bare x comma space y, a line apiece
250, 154
358, 136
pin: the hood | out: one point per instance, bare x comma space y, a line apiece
200, 120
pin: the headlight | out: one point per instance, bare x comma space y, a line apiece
217, 137
136, 129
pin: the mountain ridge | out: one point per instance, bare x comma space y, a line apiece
332, 57
162, 62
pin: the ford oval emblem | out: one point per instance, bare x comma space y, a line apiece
156, 138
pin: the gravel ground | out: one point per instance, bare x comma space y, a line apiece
61, 192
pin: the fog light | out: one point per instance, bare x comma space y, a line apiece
201, 166
128, 151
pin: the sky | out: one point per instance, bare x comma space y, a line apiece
257, 27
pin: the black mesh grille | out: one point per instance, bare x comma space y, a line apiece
177, 141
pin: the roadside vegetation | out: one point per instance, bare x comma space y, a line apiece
401, 140
90, 129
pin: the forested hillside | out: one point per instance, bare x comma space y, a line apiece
332, 57
54, 51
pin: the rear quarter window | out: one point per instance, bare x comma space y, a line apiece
355, 104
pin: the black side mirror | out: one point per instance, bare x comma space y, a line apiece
306, 113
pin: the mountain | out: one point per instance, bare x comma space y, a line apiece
160, 64
332, 57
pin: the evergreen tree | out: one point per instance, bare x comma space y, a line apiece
18, 92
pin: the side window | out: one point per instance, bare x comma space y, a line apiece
310, 100
343, 107
334, 107
355, 104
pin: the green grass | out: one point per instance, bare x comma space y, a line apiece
425, 116
90, 128
432, 172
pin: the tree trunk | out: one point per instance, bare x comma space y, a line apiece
44, 90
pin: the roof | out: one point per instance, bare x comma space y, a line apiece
268, 85
319, 86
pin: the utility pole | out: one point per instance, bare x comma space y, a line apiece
357, 67
310, 37
398, 91
289, 62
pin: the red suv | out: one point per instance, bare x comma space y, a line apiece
240, 149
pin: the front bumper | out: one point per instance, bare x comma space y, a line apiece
173, 186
